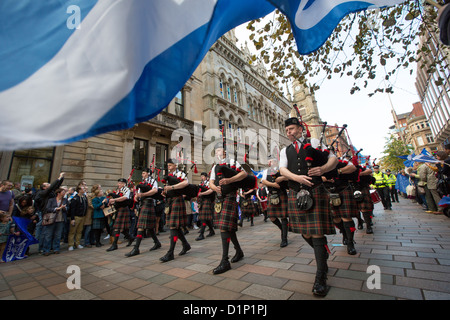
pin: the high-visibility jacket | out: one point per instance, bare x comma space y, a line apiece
391, 179
380, 179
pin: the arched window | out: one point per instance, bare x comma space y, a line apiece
221, 87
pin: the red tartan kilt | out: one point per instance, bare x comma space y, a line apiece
228, 216
280, 210
249, 210
177, 216
122, 221
318, 220
348, 208
367, 204
206, 210
147, 216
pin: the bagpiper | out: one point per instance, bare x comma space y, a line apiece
366, 205
205, 200
277, 207
176, 180
226, 178
121, 201
147, 217
308, 201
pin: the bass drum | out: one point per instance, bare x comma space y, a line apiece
375, 196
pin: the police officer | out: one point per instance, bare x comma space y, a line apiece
391, 180
382, 188
306, 189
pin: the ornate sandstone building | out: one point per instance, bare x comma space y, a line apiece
225, 95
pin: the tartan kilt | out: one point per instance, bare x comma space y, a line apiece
280, 210
263, 205
228, 216
122, 220
317, 220
177, 217
367, 204
147, 217
249, 210
99, 223
348, 208
206, 210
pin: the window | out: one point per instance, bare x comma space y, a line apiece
179, 104
420, 141
31, 166
139, 159
429, 137
221, 87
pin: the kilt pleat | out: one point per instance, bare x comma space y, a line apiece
177, 216
366, 205
147, 217
206, 211
122, 221
348, 208
280, 210
315, 221
228, 216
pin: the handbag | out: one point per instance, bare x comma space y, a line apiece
48, 218
109, 210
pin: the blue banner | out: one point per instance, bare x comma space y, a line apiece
16, 246
401, 183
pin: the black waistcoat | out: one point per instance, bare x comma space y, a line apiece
298, 165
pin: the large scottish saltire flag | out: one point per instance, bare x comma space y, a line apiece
71, 69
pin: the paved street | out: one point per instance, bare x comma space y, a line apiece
411, 248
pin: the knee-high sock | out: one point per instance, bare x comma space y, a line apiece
226, 238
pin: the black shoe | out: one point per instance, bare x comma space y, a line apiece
168, 257
186, 248
156, 246
211, 233
200, 237
351, 248
224, 266
133, 252
320, 287
98, 244
369, 229
112, 248
238, 256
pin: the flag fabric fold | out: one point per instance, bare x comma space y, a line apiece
72, 69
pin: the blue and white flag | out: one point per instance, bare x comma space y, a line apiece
258, 174
17, 246
409, 162
71, 69
425, 156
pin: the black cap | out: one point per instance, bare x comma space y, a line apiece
170, 160
292, 120
148, 170
122, 180
376, 167
204, 174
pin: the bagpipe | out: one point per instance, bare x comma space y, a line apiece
144, 187
203, 188
190, 191
224, 171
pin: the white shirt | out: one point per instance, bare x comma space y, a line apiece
232, 163
283, 156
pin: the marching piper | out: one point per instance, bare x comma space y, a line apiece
205, 198
121, 200
308, 201
147, 217
226, 205
277, 207
176, 209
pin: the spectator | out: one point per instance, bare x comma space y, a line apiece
6, 228
88, 236
52, 233
99, 221
77, 209
16, 190
40, 203
443, 173
6, 197
24, 208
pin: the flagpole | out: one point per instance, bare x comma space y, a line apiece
434, 3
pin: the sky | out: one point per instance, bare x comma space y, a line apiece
368, 118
